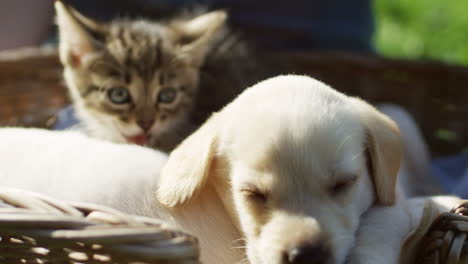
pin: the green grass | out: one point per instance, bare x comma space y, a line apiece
423, 29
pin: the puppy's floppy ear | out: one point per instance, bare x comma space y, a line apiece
189, 165
384, 145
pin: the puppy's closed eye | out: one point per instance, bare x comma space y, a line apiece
342, 185
253, 193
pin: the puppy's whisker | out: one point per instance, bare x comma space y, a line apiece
239, 247
239, 240
343, 142
245, 260
239, 243
358, 155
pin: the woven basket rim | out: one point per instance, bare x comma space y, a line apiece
55, 226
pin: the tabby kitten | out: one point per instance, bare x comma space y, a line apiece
150, 83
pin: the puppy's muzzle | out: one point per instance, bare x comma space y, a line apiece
315, 253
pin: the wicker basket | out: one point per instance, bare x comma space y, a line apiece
446, 241
32, 92
31, 87
436, 94
37, 230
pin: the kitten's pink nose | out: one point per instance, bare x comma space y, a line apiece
145, 124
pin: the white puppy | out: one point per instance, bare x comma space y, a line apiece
415, 174
388, 235
289, 167
296, 163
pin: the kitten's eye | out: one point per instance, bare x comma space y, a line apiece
118, 95
255, 195
342, 186
167, 95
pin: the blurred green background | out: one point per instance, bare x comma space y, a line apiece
423, 29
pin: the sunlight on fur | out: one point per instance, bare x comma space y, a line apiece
282, 175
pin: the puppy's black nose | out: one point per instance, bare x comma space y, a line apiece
309, 254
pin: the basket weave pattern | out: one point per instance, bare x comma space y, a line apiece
446, 240
32, 90
434, 93
31, 87
36, 229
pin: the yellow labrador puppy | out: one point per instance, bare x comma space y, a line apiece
295, 163
288, 168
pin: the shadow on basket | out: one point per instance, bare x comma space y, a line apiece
37, 229
32, 91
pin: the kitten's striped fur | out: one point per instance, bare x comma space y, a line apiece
175, 73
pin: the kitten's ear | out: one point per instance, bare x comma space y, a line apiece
189, 166
196, 35
79, 36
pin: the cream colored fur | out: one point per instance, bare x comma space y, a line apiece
74, 167
415, 176
387, 233
284, 166
276, 154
